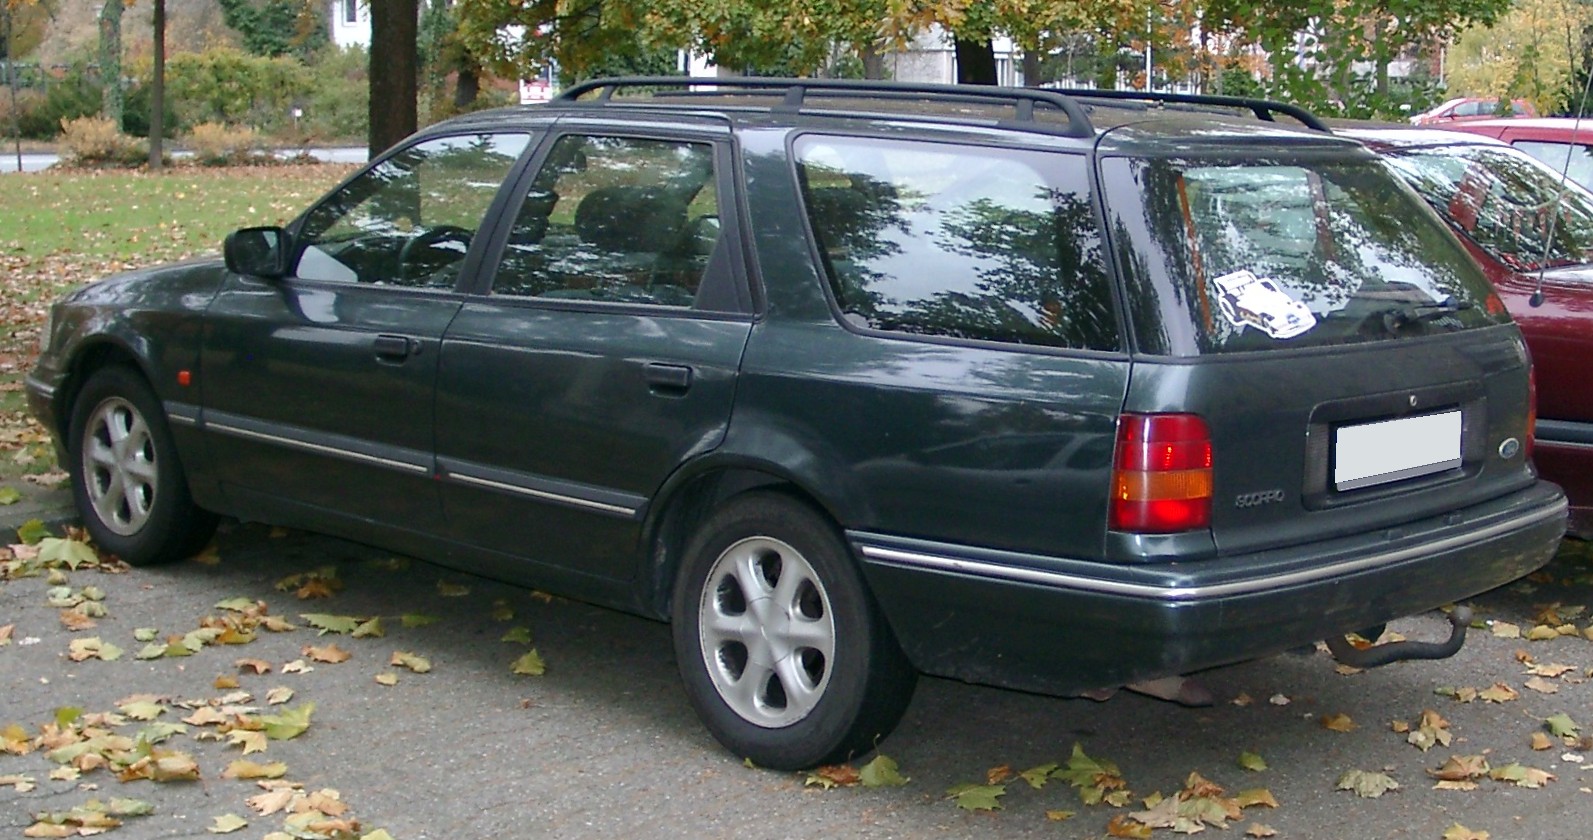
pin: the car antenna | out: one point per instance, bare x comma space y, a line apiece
1543, 264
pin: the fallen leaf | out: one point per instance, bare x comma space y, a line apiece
1257, 797
1542, 686
998, 774
258, 666
1521, 775
530, 664
1059, 815
225, 682
331, 623
1506, 630
1122, 826
417, 620
1259, 830
1367, 785
519, 635
1460, 832
331, 653
832, 776
1551, 670
1252, 762
289, 723
1461, 768
1561, 725
1038, 776
1452, 784
387, 678
976, 797
1499, 693
245, 769
226, 824
279, 695
452, 590
405, 659
271, 802
882, 772
251, 741
1541, 742
1338, 722
370, 630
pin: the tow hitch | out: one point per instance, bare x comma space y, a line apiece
1377, 655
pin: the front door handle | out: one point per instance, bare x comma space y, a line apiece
395, 348
668, 379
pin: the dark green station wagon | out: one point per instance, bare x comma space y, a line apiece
849, 382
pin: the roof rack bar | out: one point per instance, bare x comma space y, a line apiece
1264, 109
796, 92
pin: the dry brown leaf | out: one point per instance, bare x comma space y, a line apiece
1460, 768
998, 774
330, 653
1541, 741
1259, 830
1542, 686
1499, 693
258, 666
1338, 722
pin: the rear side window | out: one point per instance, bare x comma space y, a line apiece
1576, 161
959, 241
1257, 254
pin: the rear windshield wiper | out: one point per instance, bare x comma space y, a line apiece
1396, 317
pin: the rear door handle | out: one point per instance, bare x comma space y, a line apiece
668, 379
395, 348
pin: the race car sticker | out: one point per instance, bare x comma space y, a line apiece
1250, 301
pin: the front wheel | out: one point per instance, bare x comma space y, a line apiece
782, 650
126, 481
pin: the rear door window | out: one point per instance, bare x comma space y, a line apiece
1256, 254
957, 241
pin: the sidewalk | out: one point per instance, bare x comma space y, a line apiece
51, 505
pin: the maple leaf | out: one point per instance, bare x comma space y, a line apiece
405, 659
882, 772
1252, 762
331, 654
1367, 785
258, 666
279, 695
252, 742
316, 587
530, 664
1505, 630
142, 709
519, 635
225, 682
1259, 830
998, 774
1255, 797
289, 723
1038, 776
74, 620
1124, 826
833, 775
331, 623
1541, 742
14, 740
1521, 775
1499, 693
1460, 768
370, 630
1059, 815
244, 769
226, 824
1541, 685
266, 804
1337, 723
1562, 725
387, 678
92, 648
1432, 730
1460, 832
977, 797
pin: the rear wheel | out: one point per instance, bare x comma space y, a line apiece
126, 480
782, 650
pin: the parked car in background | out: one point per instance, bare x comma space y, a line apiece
1561, 142
848, 381
1464, 108
1529, 231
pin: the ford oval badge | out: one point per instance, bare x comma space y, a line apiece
1509, 448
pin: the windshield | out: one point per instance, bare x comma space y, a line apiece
1507, 201
1227, 255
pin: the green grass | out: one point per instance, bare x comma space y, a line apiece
59, 230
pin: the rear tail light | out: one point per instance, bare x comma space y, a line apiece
1161, 480
1532, 410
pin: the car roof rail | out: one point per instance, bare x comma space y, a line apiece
1264, 109
799, 95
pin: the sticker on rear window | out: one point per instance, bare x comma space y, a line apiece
1248, 300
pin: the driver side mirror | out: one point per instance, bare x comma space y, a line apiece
258, 252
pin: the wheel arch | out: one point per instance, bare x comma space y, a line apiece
94, 354
691, 495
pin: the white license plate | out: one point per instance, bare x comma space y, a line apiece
1368, 454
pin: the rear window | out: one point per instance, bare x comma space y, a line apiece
1226, 255
1509, 203
967, 242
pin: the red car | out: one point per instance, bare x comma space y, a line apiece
1463, 108
1549, 139
1528, 231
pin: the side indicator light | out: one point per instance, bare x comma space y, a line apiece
185, 378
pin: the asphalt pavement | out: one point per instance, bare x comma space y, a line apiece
604, 743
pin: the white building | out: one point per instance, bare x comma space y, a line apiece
351, 23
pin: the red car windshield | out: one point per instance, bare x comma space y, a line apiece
1513, 206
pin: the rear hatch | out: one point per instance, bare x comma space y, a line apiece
1353, 367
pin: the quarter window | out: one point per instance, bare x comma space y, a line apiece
409, 220
617, 220
957, 241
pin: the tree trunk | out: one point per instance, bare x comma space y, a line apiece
976, 61
1031, 66
157, 90
111, 61
467, 88
873, 62
393, 72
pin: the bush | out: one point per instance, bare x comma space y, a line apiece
338, 106
40, 110
226, 85
217, 144
88, 141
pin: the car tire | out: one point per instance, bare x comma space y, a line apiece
783, 652
126, 479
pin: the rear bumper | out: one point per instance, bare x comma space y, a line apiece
1056, 625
